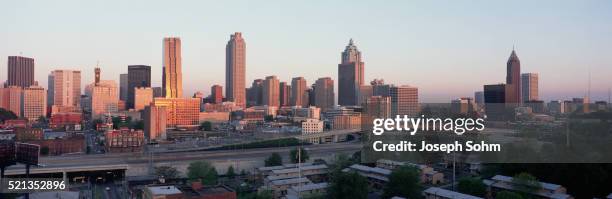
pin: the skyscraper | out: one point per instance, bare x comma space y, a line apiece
155, 122
271, 91
404, 100
513, 79
104, 96
529, 86
138, 76
65, 88
20, 71
284, 93
235, 70
143, 96
324, 93
216, 94
378, 107
10, 99
298, 92
495, 99
255, 95
172, 77
34, 102
123, 87
350, 75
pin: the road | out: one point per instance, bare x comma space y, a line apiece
139, 159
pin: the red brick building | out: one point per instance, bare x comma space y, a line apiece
124, 140
65, 118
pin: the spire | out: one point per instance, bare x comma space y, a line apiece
351, 42
513, 55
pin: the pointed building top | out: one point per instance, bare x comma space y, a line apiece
351, 42
513, 55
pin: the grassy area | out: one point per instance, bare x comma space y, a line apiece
284, 142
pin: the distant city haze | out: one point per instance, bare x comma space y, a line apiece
447, 51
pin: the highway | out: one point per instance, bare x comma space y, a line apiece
137, 160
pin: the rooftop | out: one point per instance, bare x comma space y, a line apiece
448, 194
164, 190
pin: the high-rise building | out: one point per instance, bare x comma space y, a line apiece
271, 91
495, 99
104, 98
479, 97
324, 93
235, 69
65, 88
123, 87
298, 92
350, 75
155, 122
285, 93
10, 99
172, 77
378, 107
139, 76
143, 96
180, 111
216, 94
404, 100
363, 93
529, 86
513, 79
255, 94
34, 103
20, 71
157, 92
464, 105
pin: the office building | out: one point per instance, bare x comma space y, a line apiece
235, 70
139, 76
463, 106
216, 94
529, 86
284, 93
157, 92
10, 99
324, 93
123, 87
495, 96
379, 88
378, 107
298, 92
363, 93
271, 89
155, 122
513, 80
404, 100
34, 104
172, 77
479, 98
255, 94
350, 75
104, 98
65, 88
180, 111
20, 71
143, 96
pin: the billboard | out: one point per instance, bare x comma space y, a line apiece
7, 153
27, 153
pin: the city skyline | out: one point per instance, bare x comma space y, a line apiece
562, 59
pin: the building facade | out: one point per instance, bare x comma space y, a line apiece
143, 96
404, 100
180, 111
529, 87
235, 69
350, 75
20, 71
216, 94
138, 76
65, 88
271, 89
155, 122
298, 92
513, 79
172, 77
34, 102
324, 93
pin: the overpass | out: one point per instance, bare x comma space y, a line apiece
334, 134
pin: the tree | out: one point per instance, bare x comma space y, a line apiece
206, 126
44, 150
167, 172
230, 172
340, 162
138, 125
403, 182
203, 171
526, 183
349, 185
508, 195
6, 115
472, 186
269, 118
274, 160
303, 156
